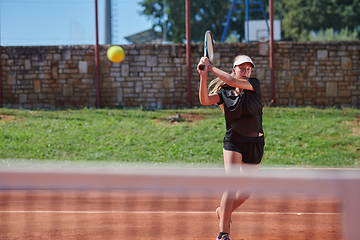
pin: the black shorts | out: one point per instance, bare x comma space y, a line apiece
252, 152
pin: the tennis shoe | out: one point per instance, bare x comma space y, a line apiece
224, 237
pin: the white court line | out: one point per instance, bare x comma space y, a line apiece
169, 212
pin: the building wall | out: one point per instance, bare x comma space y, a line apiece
155, 76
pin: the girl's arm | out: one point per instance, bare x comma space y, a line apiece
204, 96
230, 80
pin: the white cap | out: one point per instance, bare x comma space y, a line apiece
243, 60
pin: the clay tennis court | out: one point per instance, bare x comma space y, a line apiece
129, 215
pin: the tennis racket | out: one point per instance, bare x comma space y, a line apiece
208, 48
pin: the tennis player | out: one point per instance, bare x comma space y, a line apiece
239, 96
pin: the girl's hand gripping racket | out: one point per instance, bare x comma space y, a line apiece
208, 48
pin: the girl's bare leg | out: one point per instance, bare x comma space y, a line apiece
241, 197
232, 200
232, 160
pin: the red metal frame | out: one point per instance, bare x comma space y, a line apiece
0, 79
97, 58
271, 51
188, 52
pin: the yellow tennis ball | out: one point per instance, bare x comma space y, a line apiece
115, 54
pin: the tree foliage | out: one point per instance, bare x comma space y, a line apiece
304, 16
330, 35
298, 17
205, 15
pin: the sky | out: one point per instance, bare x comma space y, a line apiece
66, 22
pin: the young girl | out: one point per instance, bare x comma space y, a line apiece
239, 96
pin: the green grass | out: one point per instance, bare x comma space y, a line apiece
312, 137
304, 137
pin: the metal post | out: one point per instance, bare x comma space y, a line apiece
271, 50
164, 22
246, 10
264, 15
107, 21
188, 52
97, 58
226, 29
0, 69
247, 20
0, 78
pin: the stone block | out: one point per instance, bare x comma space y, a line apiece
346, 63
342, 53
331, 89
128, 90
290, 86
30, 76
217, 59
163, 60
68, 90
342, 100
139, 87
70, 71
173, 50
27, 64
44, 76
57, 56
344, 93
260, 73
83, 67
41, 63
54, 72
125, 70
37, 86
66, 55
11, 78
311, 71
351, 78
179, 60
47, 89
145, 52
286, 63
80, 87
151, 61
115, 85
298, 95
263, 49
139, 58
321, 101
51, 96
322, 55
169, 82
354, 101
23, 98
121, 79
157, 69
73, 81
87, 81
119, 96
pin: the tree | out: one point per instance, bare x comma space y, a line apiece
298, 18
205, 15
331, 35
304, 16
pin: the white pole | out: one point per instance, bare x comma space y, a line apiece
164, 21
107, 22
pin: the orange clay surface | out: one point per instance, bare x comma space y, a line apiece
128, 215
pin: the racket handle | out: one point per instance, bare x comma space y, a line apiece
202, 67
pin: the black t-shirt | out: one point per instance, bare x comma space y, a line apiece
243, 113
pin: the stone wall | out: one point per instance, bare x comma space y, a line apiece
155, 76
318, 73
